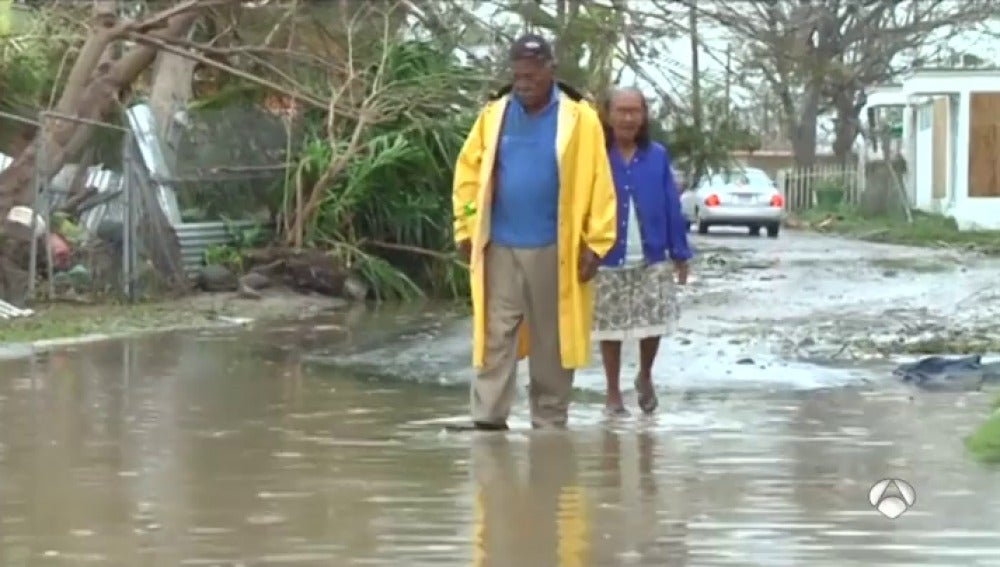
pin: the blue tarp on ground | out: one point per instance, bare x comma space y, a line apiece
949, 373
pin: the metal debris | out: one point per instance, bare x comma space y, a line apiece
8, 311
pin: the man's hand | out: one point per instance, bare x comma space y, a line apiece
589, 263
682, 272
464, 248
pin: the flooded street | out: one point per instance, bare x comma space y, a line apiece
322, 444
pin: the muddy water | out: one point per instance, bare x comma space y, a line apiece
321, 443
241, 448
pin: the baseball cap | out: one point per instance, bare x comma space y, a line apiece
531, 46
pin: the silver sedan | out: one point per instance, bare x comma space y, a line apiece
745, 197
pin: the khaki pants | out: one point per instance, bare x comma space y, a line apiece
522, 287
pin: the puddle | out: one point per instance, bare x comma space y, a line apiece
109, 456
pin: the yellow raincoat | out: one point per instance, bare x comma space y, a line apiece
587, 216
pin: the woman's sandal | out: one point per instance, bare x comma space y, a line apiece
647, 396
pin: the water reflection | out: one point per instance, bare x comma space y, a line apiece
223, 449
538, 517
543, 501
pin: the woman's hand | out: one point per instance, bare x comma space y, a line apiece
681, 268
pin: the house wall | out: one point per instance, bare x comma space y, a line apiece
940, 135
909, 151
923, 162
972, 188
968, 207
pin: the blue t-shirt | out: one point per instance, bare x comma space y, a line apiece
526, 195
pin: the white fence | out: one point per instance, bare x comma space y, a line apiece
808, 187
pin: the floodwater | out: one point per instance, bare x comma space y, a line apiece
321, 444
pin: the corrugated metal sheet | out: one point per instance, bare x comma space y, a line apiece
196, 237
142, 122
8, 311
101, 179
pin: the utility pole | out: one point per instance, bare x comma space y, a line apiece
766, 122
695, 168
729, 77
695, 68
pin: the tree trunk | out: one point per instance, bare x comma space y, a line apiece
847, 124
103, 30
171, 90
96, 99
802, 129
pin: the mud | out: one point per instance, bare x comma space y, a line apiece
80, 321
824, 297
806, 309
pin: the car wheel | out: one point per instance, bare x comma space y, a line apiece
754, 230
702, 225
773, 229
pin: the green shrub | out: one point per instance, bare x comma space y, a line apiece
830, 193
984, 443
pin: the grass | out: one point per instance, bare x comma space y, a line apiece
984, 443
69, 320
927, 230
950, 345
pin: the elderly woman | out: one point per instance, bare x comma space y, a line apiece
635, 291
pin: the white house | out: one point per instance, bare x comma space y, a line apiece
951, 141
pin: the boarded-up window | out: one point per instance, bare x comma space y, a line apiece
984, 145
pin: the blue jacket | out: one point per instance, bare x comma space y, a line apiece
649, 180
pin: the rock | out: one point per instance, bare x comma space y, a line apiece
745, 361
110, 231
217, 278
255, 281
247, 292
792, 222
355, 289
77, 277
302, 270
13, 282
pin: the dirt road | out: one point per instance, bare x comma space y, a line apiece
815, 296
801, 311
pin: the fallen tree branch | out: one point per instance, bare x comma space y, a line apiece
408, 248
169, 47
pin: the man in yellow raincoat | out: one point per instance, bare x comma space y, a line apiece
534, 212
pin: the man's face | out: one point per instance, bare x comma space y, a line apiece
532, 80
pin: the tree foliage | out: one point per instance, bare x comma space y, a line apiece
379, 96
821, 55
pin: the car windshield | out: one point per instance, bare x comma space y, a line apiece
751, 177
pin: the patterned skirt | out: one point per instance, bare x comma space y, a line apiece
635, 303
